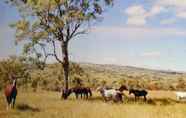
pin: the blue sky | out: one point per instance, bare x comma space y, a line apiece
143, 33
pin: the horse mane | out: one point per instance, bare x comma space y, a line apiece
122, 88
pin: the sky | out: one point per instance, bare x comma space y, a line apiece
142, 33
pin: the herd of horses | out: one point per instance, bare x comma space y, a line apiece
84, 92
107, 93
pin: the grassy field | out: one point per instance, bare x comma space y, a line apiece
43, 104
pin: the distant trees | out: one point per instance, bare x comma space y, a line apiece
47, 26
50, 78
13, 66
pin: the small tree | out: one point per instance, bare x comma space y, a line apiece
46, 23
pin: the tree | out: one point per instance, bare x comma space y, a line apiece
48, 23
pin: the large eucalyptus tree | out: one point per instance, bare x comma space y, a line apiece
48, 23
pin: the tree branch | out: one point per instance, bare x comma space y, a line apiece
55, 54
75, 29
79, 33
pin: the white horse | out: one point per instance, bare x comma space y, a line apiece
180, 95
109, 94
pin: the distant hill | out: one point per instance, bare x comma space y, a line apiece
128, 70
115, 75
93, 75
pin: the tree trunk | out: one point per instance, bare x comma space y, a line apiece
65, 65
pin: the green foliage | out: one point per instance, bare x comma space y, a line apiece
51, 78
13, 66
46, 22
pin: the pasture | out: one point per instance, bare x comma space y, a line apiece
44, 104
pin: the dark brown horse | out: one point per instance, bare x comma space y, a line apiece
122, 88
138, 93
84, 92
10, 94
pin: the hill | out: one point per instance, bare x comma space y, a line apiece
127, 69
92, 75
134, 76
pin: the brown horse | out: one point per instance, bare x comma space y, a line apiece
10, 94
84, 92
122, 88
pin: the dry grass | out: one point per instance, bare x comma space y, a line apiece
43, 104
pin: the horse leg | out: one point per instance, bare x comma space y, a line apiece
135, 98
90, 93
105, 99
86, 95
76, 96
81, 95
13, 102
145, 97
8, 102
121, 98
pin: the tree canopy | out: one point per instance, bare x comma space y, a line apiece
48, 23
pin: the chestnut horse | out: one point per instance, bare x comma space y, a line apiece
10, 94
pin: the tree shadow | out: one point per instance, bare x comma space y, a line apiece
26, 107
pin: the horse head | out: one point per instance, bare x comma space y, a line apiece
66, 93
122, 88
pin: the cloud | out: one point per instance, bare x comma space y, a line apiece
172, 3
137, 15
156, 9
168, 21
136, 10
153, 54
181, 14
136, 20
178, 6
139, 33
